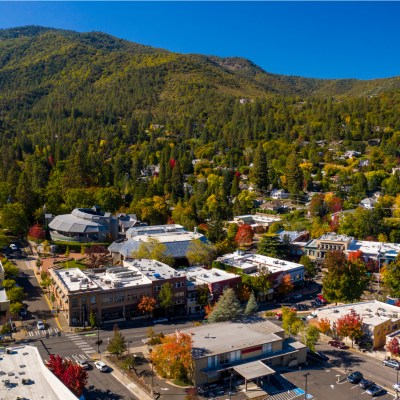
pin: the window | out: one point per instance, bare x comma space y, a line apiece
92, 299
224, 358
178, 284
158, 288
107, 300
132, 296
119, 299
212, 361
74, 302
267, 348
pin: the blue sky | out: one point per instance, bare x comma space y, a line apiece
313, 39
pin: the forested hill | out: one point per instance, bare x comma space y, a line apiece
83, 112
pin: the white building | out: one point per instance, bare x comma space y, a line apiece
279, 194
26, 377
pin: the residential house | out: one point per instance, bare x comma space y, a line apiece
279, 194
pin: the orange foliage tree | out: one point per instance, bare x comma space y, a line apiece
286, 286
324, 326
173, 357
147, 305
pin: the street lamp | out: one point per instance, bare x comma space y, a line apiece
305, 392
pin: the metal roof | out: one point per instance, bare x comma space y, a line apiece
252, 370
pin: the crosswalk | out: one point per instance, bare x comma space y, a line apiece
77, 357
79, 342
43, 332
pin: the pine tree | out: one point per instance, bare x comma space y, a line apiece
226, 309
177, 182
294, 175
251, 306
260, 168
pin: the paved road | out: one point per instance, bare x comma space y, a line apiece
102, 386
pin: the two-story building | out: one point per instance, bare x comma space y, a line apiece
250, 350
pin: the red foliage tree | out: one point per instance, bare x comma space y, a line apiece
56, 365
393, 346
96, 256
147, 305
350, 325
334, 204
37, 232
355, 256
244, 235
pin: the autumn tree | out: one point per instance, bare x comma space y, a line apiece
391, 278
286, 285
350, 325
227, 307
201, 253
152, 249
173, 357
244, 236
324, 326
37, 232
96, 256
310, 270
393, 346
73, 376
117, 344
147, 305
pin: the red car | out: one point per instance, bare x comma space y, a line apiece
337, 344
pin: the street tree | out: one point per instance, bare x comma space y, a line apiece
350, 325
173, 357
15, 308
324, 326
166, 297
16, 294
129, 362
147, 305
393, 346
8, 284
286, 285
291, 323
227, 307
391, 278
92, 319
261, 282
311, 336
309, 267
251, 306
10, 270
117, 343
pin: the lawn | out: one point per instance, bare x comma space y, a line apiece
73, 264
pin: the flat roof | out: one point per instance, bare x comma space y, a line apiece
152, 269
372, 312
333, 237
374, 248
222, 337
213, 275
154, 230
252, 370
248, 261
24, 362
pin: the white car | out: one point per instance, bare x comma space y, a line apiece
40, 325
83, 364
13, 246
396, 387
101, 366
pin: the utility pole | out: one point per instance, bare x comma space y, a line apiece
305, 393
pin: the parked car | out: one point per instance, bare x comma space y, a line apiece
355, 377
375, 390
322, 299
365, 383
40, 325
396, 387
160, 320
13, 246
302, 307
101, 366
337, 344
278, 316
83, 364
391, 363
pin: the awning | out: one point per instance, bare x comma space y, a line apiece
252, 370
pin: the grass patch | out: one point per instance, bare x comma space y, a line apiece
182, 382
73, 264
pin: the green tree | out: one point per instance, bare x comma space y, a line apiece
10, 270
261, 282
270, 245
15, 308
16, 294
391, 278
199, 252
166, 296
92, 319
251, 306
177, 191
153, 250
117, 343
13, 218
309, 267
8, 284
311, 337
129, 362
294, 175
290, 322
260, 168
227, 307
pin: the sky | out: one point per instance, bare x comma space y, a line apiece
311, 39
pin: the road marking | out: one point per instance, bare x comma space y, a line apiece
67, 358
354, 387
83, 356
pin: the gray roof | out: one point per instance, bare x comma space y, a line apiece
252, 370
72, 223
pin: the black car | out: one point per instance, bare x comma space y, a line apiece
365, 383
355, 377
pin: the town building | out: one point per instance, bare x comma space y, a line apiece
259, 222
251, 264
316, 249
175, 238
125, 222
4, 302
378, 319
215, 279
84, 225
250, 350
383, 253
113, 293
1, 273
24, 376
279, 194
